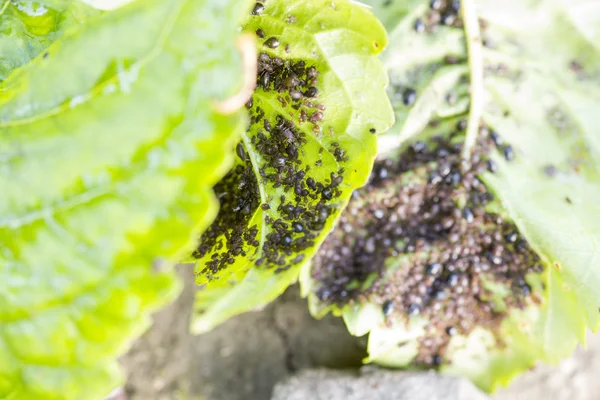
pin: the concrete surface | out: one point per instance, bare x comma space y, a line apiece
374, 385
247, 356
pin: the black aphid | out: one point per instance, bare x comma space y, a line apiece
419, 26
272, 42
258, 9
409, 96
509, 153
241, 152
387, 308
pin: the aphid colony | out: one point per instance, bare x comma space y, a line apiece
418, 240
441, 12
295, 205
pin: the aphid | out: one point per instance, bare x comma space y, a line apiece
316, 117
241, 152
291, 81
468, 215
419, 147
323, 294
373, 130
311, 92
260, 33
436, 360
435, 4
509, 153
448, 18
326, 193
455, 179
382, 173
295, 95
455, 5
550, 170
279, 161
453, 279
265, 207
434, 269
494, 259
521, 288
497, 139
272, 42
439, 294
451, 98
461, 125
297, 227
409, 96
387, 308
435, 178
264, 58
258, 9
444, 169
414, 309
265, 80
419, 26
492, 166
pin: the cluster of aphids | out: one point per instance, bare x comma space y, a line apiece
422, 231
295, 205
441, 12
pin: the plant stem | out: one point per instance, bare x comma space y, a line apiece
475, 53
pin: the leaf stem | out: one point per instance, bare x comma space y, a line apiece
475, 53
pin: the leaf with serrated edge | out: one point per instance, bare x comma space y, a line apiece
109, 147
340, 40
541, 101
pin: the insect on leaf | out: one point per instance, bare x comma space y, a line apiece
499, 255
311, 141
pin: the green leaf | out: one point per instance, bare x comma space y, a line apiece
30, 27
535, 83
109, 147
320, 101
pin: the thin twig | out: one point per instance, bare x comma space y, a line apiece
475, 52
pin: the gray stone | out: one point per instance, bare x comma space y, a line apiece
575, 378
245, 357
374, 384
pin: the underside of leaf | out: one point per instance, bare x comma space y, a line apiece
525, 83
109, 148
311, 141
